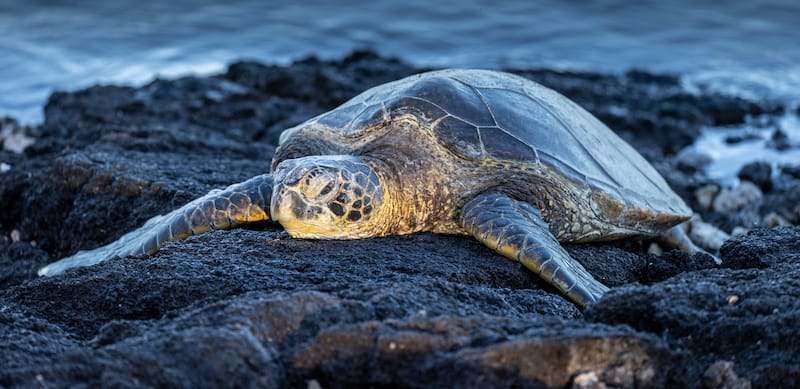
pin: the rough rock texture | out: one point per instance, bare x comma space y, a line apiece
759, 173
254, 308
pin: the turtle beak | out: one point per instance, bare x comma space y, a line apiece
291, 211
283, 205
287, 204
283, 199
287, 175
282, 176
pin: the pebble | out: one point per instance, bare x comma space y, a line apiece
736, 198
772, 219
655, 249
721, 374
759, 173
313, 384
739, 231
13, 137
588, 380
779, 141
736, 139
706, 235
705, 195
791, 170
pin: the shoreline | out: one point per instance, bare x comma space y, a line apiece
235, 308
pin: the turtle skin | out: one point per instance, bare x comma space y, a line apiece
515, 229
235, 206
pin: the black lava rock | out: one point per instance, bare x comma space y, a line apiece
255, 308
792, 171
759, 173
779, 141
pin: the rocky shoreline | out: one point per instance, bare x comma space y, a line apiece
256, 308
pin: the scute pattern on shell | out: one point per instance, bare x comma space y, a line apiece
481, 114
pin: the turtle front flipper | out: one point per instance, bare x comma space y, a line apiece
235, 206
516, 230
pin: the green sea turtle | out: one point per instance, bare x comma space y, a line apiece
484, 153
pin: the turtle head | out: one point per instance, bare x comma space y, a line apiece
326, 197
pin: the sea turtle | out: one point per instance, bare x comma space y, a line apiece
478, 152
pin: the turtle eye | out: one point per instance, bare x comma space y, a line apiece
320, 185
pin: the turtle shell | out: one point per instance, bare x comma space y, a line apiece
483, 114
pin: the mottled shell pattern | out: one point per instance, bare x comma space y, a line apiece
480, 114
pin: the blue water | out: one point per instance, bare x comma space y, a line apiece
748, 48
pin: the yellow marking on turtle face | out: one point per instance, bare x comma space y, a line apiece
305, 230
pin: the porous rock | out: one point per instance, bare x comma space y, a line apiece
738, 313
257, 308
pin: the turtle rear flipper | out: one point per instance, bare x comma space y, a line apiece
516, 230
237, 205
676, 237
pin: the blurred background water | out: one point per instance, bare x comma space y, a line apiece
749, 48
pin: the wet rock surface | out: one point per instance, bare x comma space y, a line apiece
257, 308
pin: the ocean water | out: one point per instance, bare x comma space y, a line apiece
748, 48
